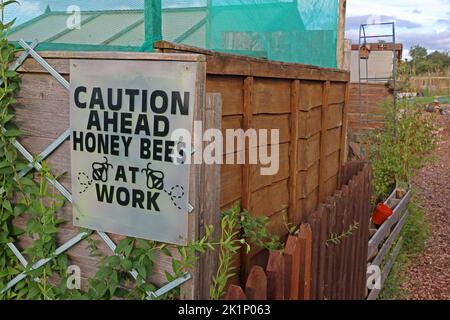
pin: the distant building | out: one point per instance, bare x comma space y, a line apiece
380, 61
368, 113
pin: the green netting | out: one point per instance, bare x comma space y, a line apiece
303, 31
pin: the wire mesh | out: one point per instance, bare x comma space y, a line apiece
303, 31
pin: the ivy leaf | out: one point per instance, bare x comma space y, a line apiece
7, 205
13, 132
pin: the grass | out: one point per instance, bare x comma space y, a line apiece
415, 235
430, 99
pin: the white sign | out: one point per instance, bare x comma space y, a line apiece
128, 176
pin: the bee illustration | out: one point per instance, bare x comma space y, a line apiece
100, 170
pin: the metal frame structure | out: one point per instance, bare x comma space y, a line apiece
363, 37
35, 164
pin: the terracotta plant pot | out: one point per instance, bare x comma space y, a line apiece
381, 214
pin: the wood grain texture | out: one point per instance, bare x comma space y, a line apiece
293, 158
292, 268
256, 286
235, 293
323, 142
211, 197
275, 276
229, 64
306, 243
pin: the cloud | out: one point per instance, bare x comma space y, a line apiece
24, 11
355, 22
426, 23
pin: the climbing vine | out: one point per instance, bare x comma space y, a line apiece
32, 202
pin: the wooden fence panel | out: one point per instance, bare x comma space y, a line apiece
292, 265
305, 239
275, 276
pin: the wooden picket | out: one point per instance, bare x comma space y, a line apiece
312, 265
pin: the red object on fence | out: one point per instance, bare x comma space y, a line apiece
381, 214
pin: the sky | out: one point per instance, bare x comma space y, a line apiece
424, 22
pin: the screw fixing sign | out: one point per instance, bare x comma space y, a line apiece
128, 175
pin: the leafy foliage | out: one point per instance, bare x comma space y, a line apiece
337, 238
401, 148
422, 62
238, 229
34, 199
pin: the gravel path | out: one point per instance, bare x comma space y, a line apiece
429, 274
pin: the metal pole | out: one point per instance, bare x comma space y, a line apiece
394, 81
359, 81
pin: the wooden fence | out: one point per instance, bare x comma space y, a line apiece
432, 84
287, 275
307, 104
327, 258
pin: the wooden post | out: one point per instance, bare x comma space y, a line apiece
340, 48
275, 276
323, 143
344, 133
293, 156
211, 193
191, 289
305, 240
292, 268
246, 167
247, 124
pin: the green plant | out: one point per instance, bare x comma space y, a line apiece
31, 197
401, 147
239, 228
34, 199
337, 238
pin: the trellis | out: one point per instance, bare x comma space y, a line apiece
35, 164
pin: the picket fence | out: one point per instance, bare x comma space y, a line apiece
327, 258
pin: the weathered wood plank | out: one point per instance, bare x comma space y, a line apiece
256, 286
190, 290
309, 122
323, 176
308, 152
292, 268
211, 192
293, 182
232, 93
376, 240
222, 63
306, 241
275, 276
246, 168
271, 96
235, 293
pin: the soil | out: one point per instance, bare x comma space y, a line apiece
429, 274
